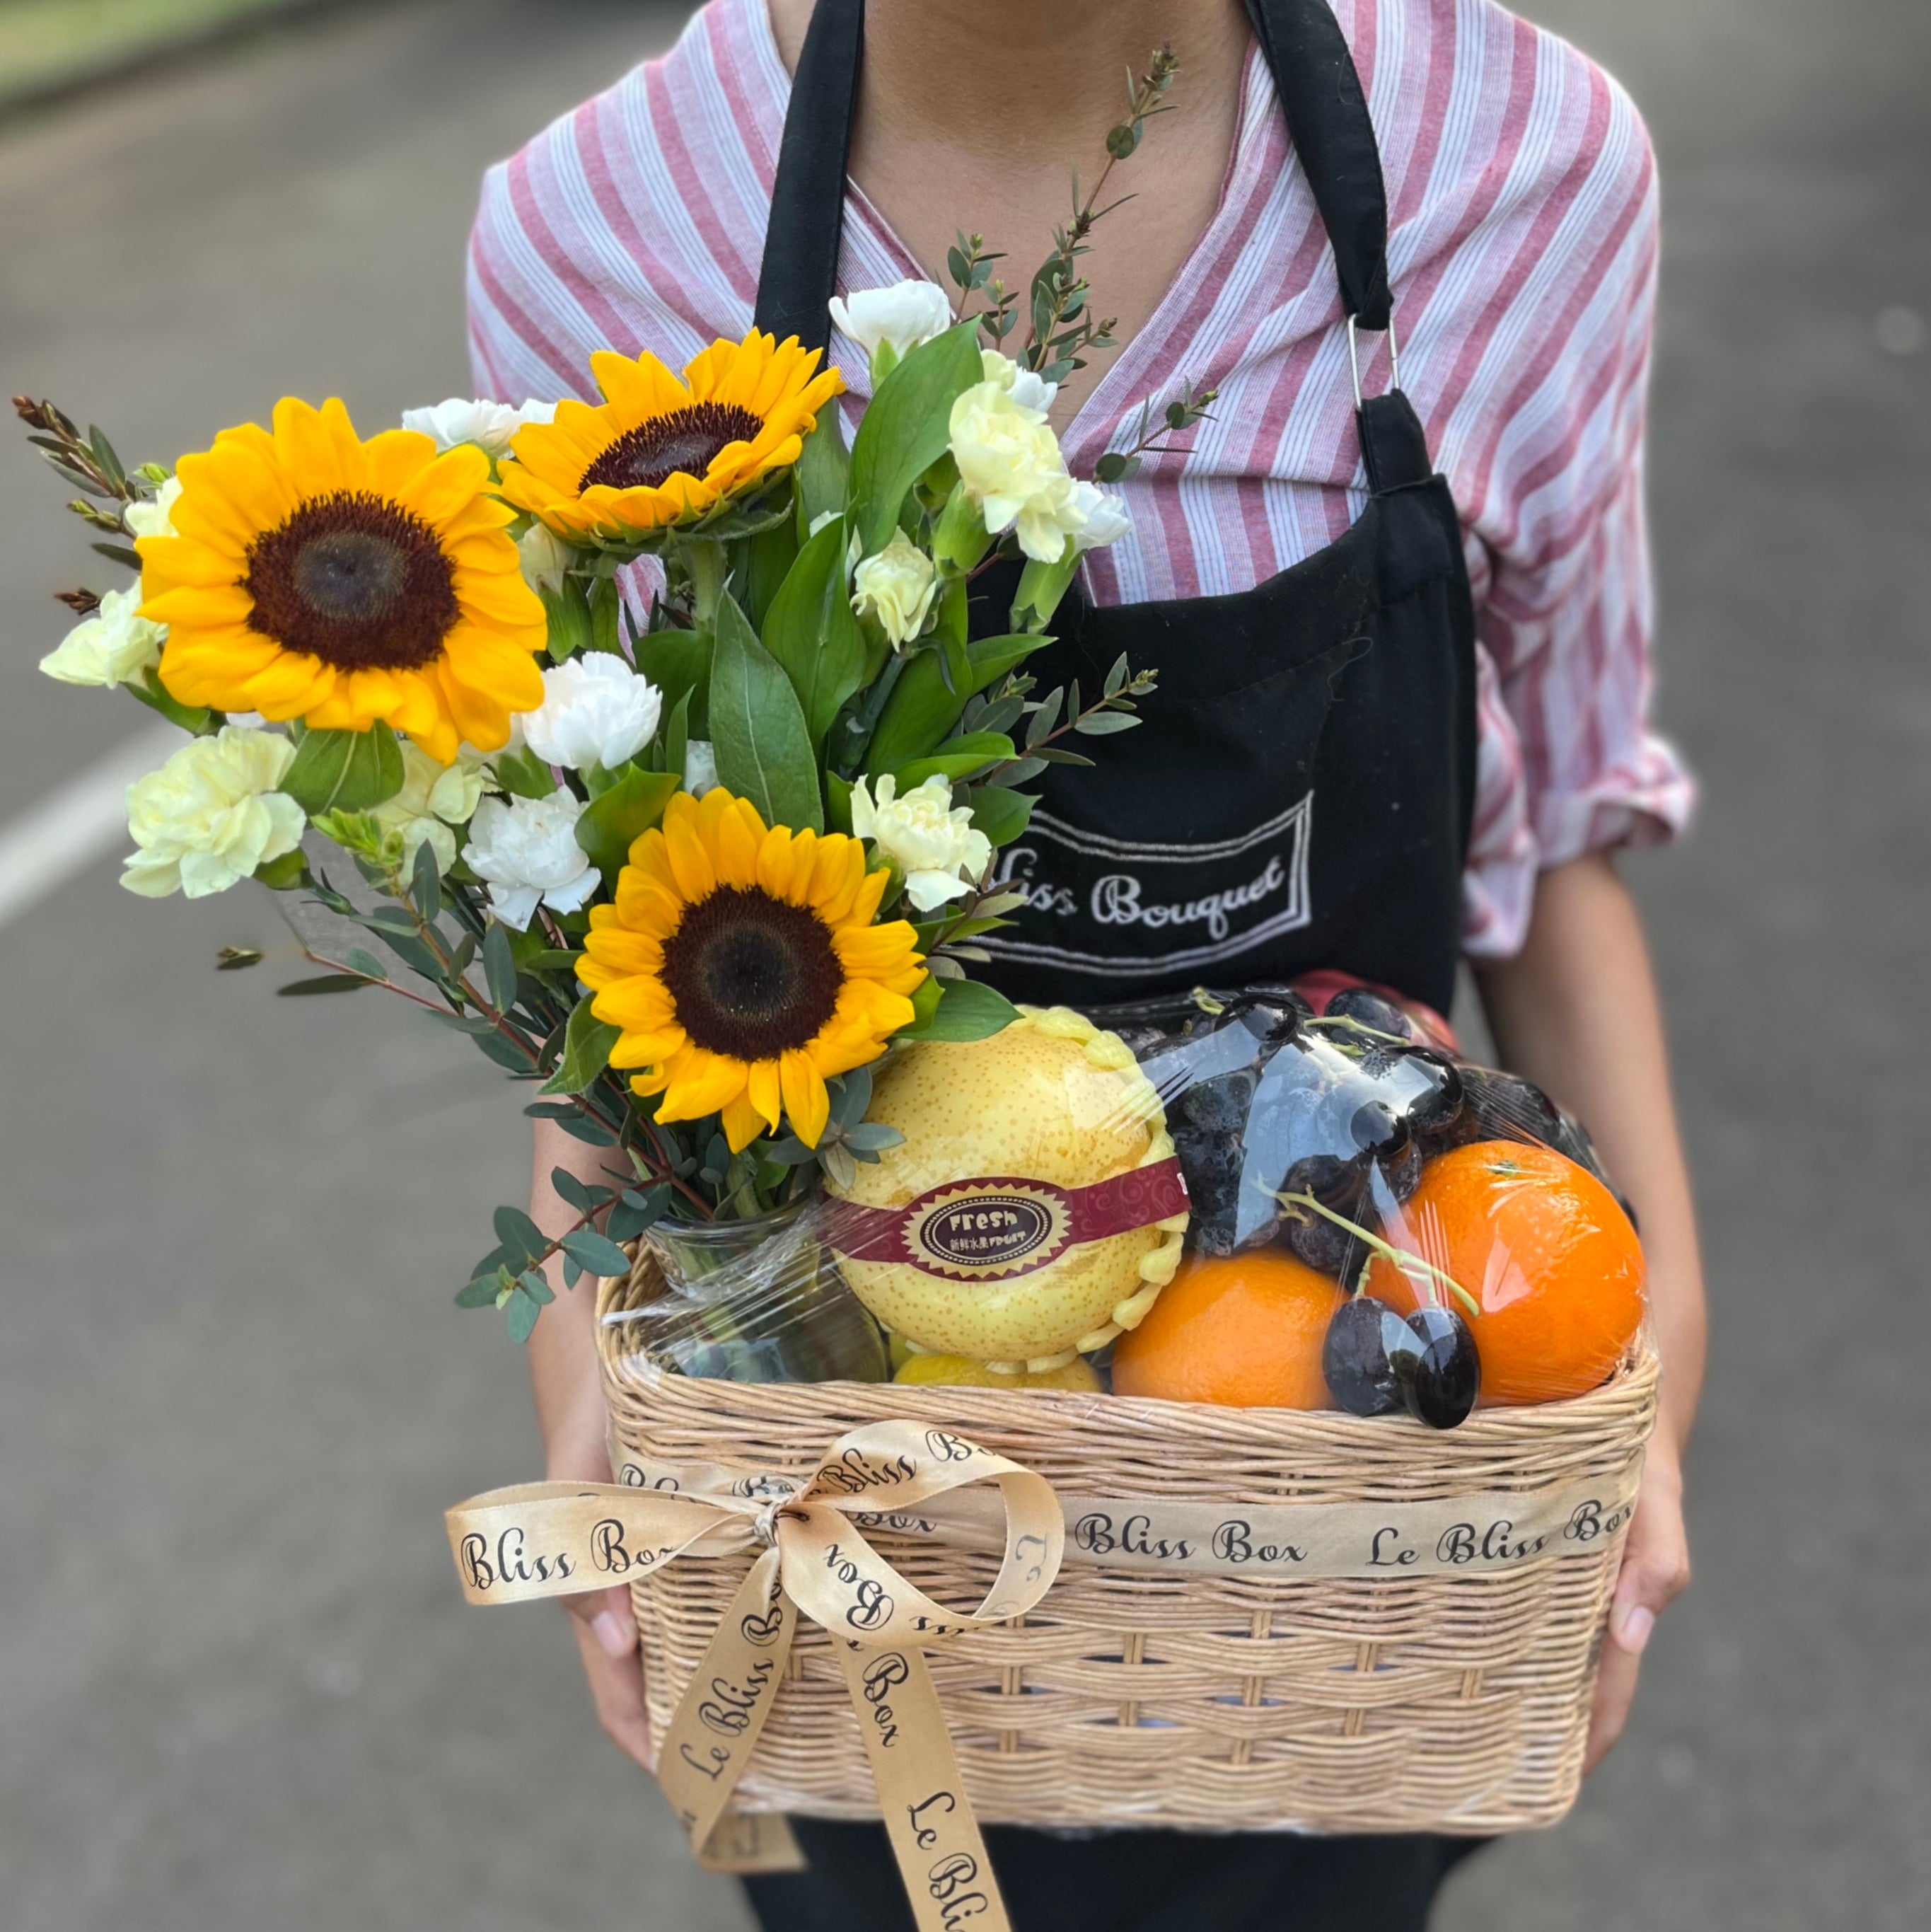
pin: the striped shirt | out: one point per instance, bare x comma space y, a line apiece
1522, 253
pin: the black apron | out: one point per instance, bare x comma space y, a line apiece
1298, 796
1299, 793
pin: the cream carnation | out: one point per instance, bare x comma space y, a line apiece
1009, 461
488, 425
211, 814
896, 587
1030, 391
526, 850
113, 646
595, 711
1094, 519
433, 800
898, 318
154, 519
932, 842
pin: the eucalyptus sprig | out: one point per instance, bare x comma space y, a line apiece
89, 463
1190, 407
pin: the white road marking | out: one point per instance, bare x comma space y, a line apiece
77, 822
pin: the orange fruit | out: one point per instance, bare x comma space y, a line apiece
1243, 1330
1544, 1248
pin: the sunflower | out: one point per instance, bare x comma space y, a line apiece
344, 583
741, 967
658, 451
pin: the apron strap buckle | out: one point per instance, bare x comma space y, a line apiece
1355, 357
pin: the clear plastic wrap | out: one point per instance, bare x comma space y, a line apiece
1228, 1197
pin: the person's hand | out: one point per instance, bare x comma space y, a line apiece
606, 1632
1656, 1568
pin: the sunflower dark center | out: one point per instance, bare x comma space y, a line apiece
751, 976
687, 440
356, 580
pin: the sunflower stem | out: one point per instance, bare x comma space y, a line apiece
704, 557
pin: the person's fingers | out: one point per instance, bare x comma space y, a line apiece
605, 1633
1655, 1569
1615, 1686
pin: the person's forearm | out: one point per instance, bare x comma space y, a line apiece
1576, 1011
562, 1346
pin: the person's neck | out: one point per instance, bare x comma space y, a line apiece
1012, 77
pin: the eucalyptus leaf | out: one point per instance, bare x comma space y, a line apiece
596, 1253
757, 726
499, 968
520, 1312
426, 884
359, 959
326, 982
481, 1293
522, 1241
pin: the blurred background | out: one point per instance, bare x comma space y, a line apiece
238, 1688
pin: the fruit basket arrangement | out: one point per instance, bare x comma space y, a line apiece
1344, 1449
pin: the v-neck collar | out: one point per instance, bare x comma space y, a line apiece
1107, 403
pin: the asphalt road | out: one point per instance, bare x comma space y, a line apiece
237, 1689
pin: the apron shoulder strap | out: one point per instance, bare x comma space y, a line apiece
1321, 97
799, 274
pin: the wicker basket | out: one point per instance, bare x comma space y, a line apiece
1447, 1702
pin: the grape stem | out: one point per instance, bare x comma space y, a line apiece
1394, 1257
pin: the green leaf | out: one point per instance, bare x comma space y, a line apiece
679, 663
325, 982
359, 959
499, 968
522, 1241
964, 1009
767, 557
956, 758
612, 822
425, 886
1000, 813
515, 1055
921, 710
593, 1252
606, 606
522, 774
677, 738
907, 427
283, 874
1099, 724
924, 1003
481, 1293
757, 725
586, 1051
345, 771
154, 695
811, 632
838, 804
547, 959
520, 1312
567, 613
636, 1212
823, 466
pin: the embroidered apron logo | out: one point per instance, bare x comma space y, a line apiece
1117, 908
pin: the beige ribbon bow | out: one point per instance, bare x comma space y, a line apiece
556, 1539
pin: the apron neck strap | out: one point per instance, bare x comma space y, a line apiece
1314, 78
800, 270
1327, 114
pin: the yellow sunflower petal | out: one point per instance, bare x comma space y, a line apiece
806, 1102
742, 1123
706, 1082
690, 856
765, 1091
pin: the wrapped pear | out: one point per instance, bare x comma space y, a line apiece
1034, 1209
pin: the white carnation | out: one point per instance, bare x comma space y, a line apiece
700, 767
544, 557
1010, 462
113, 646
211, 814
896, 587
1030, 391
526, 850
154, 519
490, 425
1093, 519
434, 798
595, 711
899, 318
932, 842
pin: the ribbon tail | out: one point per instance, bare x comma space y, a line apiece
941, 1858
715, 1726
745, 1842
